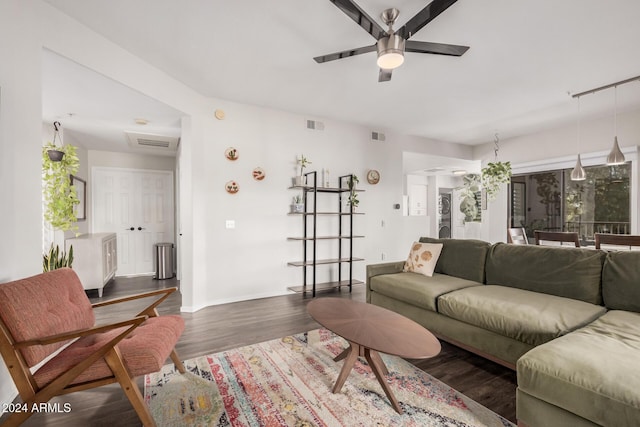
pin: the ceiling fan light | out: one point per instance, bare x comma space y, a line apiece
390, 52
615, 157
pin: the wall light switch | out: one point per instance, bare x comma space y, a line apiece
230, 224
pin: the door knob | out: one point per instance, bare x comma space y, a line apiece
140, 228
132, 228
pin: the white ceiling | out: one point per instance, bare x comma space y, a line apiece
525, 57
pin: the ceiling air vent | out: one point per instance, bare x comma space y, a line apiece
315, 125
377, 136
156, 142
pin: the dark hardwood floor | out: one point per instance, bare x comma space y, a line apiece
227, 326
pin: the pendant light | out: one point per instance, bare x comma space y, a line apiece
578, 173
615, 157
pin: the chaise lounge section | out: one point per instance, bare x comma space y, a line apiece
567, 319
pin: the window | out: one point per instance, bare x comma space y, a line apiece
550, 201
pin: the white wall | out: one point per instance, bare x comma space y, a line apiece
250, 260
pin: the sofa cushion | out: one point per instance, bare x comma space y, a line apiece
621, 281
590, 372
463, 258
564, 272
423, 258
417, 289
530, 317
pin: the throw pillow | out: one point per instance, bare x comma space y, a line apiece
423, 258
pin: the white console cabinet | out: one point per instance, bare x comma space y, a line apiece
95, 259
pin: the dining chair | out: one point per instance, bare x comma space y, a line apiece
517, 236
557, 236
617, 240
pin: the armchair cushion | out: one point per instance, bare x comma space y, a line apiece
39, 297
144, 351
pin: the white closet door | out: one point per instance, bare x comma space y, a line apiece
137, 206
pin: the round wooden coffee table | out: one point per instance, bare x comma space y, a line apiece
370, 329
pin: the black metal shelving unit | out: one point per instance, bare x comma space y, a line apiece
310, 236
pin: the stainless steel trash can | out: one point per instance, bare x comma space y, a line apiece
164, 260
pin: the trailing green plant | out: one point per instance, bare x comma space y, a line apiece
493, 175
352, 200
55, 259
60, 196
469, 197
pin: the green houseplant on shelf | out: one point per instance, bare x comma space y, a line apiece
60, 197
300, 180
352, 200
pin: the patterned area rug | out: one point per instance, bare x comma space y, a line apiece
288, 382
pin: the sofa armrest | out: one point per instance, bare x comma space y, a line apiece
380, 269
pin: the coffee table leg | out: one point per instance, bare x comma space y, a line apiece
379, 369
342, 355
351, 357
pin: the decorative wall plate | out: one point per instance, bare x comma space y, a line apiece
231, 153
231, 187
373, 176
258, 174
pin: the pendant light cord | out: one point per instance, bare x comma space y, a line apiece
496, 142
615, 111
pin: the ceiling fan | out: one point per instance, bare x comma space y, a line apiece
391, 45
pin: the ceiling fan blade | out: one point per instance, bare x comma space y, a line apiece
422, 18
384, 75
360, 17
344, 54
437, 48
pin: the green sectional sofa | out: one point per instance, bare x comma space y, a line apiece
567, 319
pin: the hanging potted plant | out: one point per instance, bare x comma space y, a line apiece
60, 198
301, 180
495, 173
54, 152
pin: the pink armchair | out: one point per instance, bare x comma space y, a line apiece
40, 315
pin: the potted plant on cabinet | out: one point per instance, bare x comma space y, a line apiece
301, 180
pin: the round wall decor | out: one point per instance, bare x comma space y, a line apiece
373, 176
231, 154
231, 187
258, 174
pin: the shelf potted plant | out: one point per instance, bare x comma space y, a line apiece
300, 180
297, 206
352, 200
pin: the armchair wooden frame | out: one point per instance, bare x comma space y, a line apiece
557, 236
32, 395
616, 239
